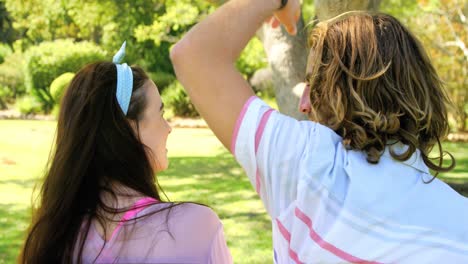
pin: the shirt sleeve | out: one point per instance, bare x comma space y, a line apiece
219, 252
269, 146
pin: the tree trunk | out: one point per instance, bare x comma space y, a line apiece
287, 55
326, 9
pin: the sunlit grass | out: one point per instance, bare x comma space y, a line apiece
201, 170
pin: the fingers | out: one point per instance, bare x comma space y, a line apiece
288, 16
275, 23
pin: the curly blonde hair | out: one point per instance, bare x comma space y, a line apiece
373, 84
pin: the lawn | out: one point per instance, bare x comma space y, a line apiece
201, 170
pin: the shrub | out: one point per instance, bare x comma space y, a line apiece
45, 62
252, 58
57, 87
11, 79
5, 51
28, 105
175, 97
5, 95
162, 79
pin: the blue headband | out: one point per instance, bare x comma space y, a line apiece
124, 80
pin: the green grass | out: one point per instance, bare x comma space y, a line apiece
201, 170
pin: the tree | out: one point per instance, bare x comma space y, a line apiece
442, 26
7, 32
447, 43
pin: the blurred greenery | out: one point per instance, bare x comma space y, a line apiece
177, 101
5, 50
200, 170
57, 87
29, 104
442, 27
49, 60
11, 79
151, 27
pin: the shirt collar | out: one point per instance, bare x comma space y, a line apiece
416, 161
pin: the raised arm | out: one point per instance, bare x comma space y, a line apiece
204, 60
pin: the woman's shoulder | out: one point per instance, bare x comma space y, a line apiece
186, 224
185, 215
196, 214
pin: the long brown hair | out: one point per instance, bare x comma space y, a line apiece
372, 82
95, 145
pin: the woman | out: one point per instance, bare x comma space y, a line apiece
353, 183
99, 201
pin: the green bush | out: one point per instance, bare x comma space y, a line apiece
55, 111
252, 58
57, 87
45, 62
11, 79
5, 51
5, 95
162, 79
175, 97
29, 105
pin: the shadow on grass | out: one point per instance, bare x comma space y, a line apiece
30, 183
13, 224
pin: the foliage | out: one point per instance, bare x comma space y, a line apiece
308, 10
252, 58
177, 18
29, 105
175, 97
5, 50
162, 79
11, 79
48, 60
442, 26
57, 87
151, 27
106, 23
7, 31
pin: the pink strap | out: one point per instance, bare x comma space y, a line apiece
136, 208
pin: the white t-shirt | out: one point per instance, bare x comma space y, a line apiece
329, 205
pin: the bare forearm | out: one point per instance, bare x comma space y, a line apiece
204, 60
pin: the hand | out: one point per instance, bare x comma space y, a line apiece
288, 16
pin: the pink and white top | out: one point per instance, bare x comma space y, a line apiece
187, 233
329, 205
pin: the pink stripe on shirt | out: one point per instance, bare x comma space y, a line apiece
238, 124
258, 138
324, 244
293, 255
261, 128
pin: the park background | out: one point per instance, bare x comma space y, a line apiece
45, 42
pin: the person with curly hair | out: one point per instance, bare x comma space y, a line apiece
353, 183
